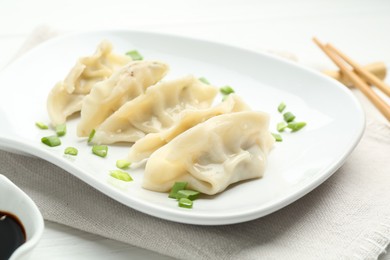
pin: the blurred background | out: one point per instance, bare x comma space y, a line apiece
358, 27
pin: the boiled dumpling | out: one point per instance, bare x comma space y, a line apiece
144, 147
95, 68
212, 155
109, 95
61, 104
158, 109
66, 96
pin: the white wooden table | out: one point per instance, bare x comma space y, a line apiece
359, 27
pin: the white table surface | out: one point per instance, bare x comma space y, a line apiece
359, 27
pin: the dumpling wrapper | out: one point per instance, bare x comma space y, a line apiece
144, 147
109, 95
158, 109
66, 96
212, 155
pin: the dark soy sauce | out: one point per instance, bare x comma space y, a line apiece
12, 234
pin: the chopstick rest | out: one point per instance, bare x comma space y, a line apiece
376, 68
339, 59
362, 72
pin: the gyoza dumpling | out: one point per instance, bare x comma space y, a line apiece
156, 110
61, 104
109, 95
66, 96
144, 147
212, 155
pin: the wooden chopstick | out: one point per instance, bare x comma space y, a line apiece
367, 75
381, 105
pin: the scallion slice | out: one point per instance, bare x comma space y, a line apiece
71, 151
91, 135
51, 140
123, 164
204, 80
61, 129
176, 187
278, 137
100, 150
188, 194
185, 203
296, 126
288, 117
41, 125
135, 55
281, 126
121, 175
281, 107
225, 97
226, 90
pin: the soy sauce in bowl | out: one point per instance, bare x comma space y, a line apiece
12, 234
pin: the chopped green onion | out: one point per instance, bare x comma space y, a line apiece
121, 175
185, 203
135, 55
176, 187
123, 164
100, 150
91, 135
296, 126
41, 125
188, 194
226, 90
278, 137
281, 126
288, 117
61, 130
224, 97
71, 151
281, 107
51, 140
204, 80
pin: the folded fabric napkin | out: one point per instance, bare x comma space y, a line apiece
348, 216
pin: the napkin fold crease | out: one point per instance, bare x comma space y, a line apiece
346, 217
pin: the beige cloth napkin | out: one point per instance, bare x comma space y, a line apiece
346, 217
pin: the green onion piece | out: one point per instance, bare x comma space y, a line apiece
121, 175
281, 126
226, 90
281, 107
91, 135
288, 117
176, 187
123, 164
278, 137
185, 203
100, 150
41, 125
71, 151
61, 130
296, 126
204, 80
188, 194
51, 140
135, 55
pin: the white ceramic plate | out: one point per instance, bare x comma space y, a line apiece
305, 159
